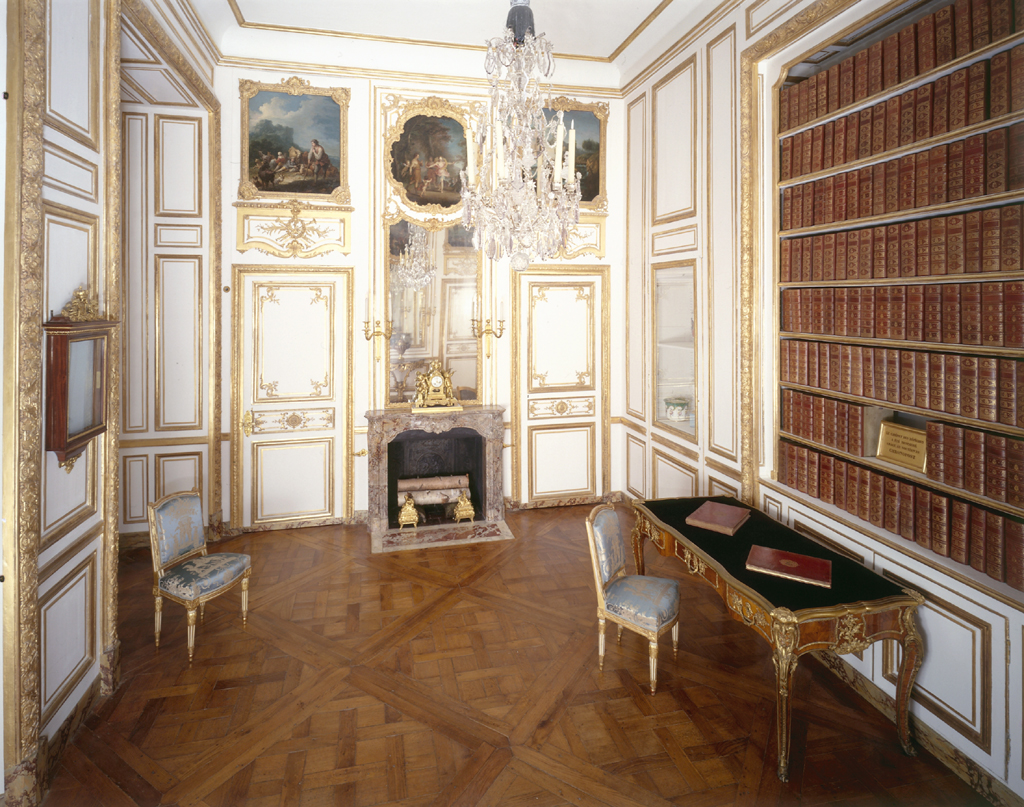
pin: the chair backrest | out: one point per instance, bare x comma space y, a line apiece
176, 528
606, 546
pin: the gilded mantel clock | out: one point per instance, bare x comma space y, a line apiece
434, 389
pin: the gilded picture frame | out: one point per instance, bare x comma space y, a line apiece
294, 141
591, 124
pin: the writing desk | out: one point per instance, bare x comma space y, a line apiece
860, 608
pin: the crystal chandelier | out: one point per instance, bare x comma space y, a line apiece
414, 268
525, 199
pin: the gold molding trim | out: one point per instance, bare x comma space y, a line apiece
716, 487
689, 64
160, 363
753, 28
247, 189
726, 470
666, 459
586, 238
278, 421
92, 170
600, 111
128, 460
590, 429
692, 436
158, 471
257, 479
633, 440
52, 533
309, 230
679, 449
544, 408
691, 230
630, 424
90, 135
160, 170
585, 377
637, 266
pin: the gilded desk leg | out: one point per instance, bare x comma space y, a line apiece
913, 655
638, 536
784, 638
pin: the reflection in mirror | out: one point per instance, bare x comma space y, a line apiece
85, 387
432, 285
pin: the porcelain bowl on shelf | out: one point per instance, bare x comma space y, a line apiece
676, 408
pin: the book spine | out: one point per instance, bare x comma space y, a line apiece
839, 198
963, 36
842, 425
995, 467
972, 242
955, 172
921, 384
992, 314
959, 524
906, 388
864, 499
865, 132
922, 190
923, 112
977, 93
951, 313
1008, 381
826, 484
1017, 75
937, 232
878, 114
977, 539
855, 431
813, 473
994, 546
953, 455
787, 209
969, 386
1015, 472
938, 179
980, 24
908, 117
891, 61
974, 166
856, 371
934, 457
940, 524
958, 103
892, 251
1001, 18
970, 310
933, 310
923, 518
951, 364
852, 136
898, 312
945, 46
833, 89
806, 151
807, 260
915, 313
974, 461
892, 375
801, 468
852, 489
839, 483
955, 245
988, 389
891, 505
908, 53
791, 463
1013, 319
876, 498
823, 89
817, 270
995, 162
908, 182
906, 512
875, 70
1010, 239
817, 148
878, 189
867, 371
786, 261
924, 248
786, 160
999, 85
828, 260
845, 371
865, 261
926, 44
829, 141
812, 98
878, 240
940, 107
1013, 546
808, 207
881, 371
846, 82
1015, 156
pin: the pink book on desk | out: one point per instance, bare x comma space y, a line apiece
718, 517
790, 565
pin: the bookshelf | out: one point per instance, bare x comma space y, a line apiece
901, 283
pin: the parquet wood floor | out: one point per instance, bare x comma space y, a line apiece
463, 676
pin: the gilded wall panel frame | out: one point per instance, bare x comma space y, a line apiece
637, 202
261, 179
167, 336
135, 467
56, 261
586, 238
87, 186
55, 530
163, 169
162, 464
537, 380
260, 453
636, 466
589, 119
85, 132
545, 408
537, 433
683, 147
294, 230
661, 461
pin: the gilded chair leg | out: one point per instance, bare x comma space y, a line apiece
245, 595
618, 639
159, 615
600, 644
675, 640
191, 632
654, 665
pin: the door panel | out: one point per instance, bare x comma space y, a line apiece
292, 358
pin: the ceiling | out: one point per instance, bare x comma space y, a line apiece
589, 29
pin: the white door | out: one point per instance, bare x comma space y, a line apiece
561, 448
292, 371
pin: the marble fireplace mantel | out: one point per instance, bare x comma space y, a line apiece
386, 424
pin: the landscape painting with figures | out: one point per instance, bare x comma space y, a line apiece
588, 148
427, 158
294, 143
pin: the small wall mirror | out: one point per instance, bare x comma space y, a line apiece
76, 389
432, 282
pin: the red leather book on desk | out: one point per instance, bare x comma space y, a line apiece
790, 565
719, 517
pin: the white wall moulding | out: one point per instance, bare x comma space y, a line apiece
678, 239
762, 13
636, 466
293, 230
292, 480
177, 235
69, 498
156, 85
548, 476
179, 364
70, 254
673, 477
637, 171
542, 408
586, 238
136, 296
180, 471
134, 489
69, 173
178, 151
73, 70
554, 309
674, 157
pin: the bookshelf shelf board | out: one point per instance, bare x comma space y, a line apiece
925, 347
916, 280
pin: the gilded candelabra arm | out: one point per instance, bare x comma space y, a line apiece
377, 332
487, 332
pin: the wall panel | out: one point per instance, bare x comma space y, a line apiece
70, 255
674, 157
68, 495
134, 489
178, 178
135, 409
73, 69
65, 171
179, 361
178, 471
636, 261
672, 477
550, 478
636, 466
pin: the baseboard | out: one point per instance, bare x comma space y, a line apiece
998, 793
51, 750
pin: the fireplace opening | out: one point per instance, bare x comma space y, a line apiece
416, 453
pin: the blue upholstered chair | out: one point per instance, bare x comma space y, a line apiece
646, 605
182, 571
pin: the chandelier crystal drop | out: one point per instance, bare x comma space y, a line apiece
525, 198
414, 268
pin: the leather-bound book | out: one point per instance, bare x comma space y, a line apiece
876, 498
958, 99
951, 362
789, 313
852, 136
813, 473
835, 369
955, 171
865, 262
995, 467
915, 313
829, 422
959, 524
953, 456
908, 53
898, 312
977, 93
784, 124
992, 314
796, 260
981, 26
790, 565
970, 312
933, 313
878, 189
842, 314
923, 518
934, 457
807, 263
878, 241
950, 313
938, 180
1001, 18
988, 389
852, 488
823, 383
791, 463
1010, 239
823, 77
974, 166
892, 250
801, 468
1013, 547
839, 483
908, 114
999, 85
906, 511
937, 231
891, 505
817, 262
892, 123
852, 254
802, 98
922, 189
1013, 319
828, 258
875, 70
994, 546
864, 500
974, 461
878, 114
1015, 155
787, 209
921, 383
907, 387
718, 517
892, 375
908, 182
839, 198
881, 368
839, 142
817, 149
908, 248
955, 245
969, 386
806, 151
865, 189
940, 106
926, 44
867, 372
891, 61
991, 244
856, 371
828, 149
1009, 379
842, 425
940, 524
797, 220
1015, 472
892, 187
852, 196
867, 312
833, 89
976, 535
812, 368
924, 248
786, 162
972, 242
995, 162
855, 430
865, 133
786, 262
812, 98
808, 209
845, 372
788, 402
846, 82
826, 483
945, 47
801, 363
923, 112
1017, 76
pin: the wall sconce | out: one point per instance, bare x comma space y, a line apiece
385, 334
487, 331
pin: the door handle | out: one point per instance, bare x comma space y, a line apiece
247, 423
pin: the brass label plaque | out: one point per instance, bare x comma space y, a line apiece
902, 446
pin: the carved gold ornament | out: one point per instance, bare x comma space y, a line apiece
83, 307
463, 508
851, 638
408, 514
434, 389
